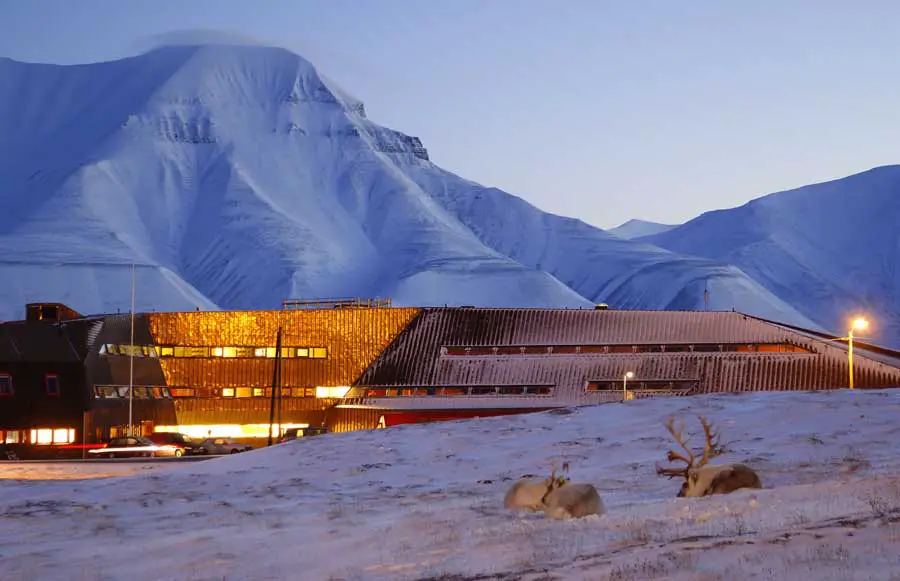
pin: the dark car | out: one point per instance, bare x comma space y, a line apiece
188, 445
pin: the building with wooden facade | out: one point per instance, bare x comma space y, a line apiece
69, 380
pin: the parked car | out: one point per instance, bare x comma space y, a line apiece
215, 446
135, 447
186, 444
294, 433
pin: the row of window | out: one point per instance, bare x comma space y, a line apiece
643, 385
43, 436
458, 350
51, 385
208, 352
165, 392
458, 390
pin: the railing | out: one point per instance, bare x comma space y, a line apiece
341, 303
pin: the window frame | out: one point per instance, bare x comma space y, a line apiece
9, 391
47, 378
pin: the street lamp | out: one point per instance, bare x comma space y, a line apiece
628, 375
859, 324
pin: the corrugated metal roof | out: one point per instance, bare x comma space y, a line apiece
38, 341
416, 357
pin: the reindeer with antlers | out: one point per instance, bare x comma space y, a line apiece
529, 494
557, 496
703, 479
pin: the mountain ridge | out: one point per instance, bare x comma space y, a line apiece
237, 177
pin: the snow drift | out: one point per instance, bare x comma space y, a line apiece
425, 502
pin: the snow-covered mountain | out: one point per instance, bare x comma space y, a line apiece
636, 228
236, 176
831, 250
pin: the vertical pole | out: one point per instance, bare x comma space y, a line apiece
84, 435
274, 383
625, 387
850, 356
280, 361
131, 362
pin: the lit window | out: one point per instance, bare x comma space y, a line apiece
318, 353
302, 352
63, 436
227, 392
259, 392
334, 391
6, 388
41, 436
51, 384
243, 392
12, 437
166, 351
259, 352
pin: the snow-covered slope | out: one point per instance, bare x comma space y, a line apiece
831, 250
635, 228
236, 176
425, 502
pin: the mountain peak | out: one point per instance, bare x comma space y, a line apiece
636, 228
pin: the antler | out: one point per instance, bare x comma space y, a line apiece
712, 447
672, 455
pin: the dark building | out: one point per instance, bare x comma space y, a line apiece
69, 381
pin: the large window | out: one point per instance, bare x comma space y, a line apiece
167, 392
225, 352
655, 385
47, 436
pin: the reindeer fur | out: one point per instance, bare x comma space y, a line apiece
573, 501
718, 479
528, 494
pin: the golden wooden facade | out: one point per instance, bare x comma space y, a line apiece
353, 338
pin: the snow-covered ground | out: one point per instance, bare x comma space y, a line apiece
77, 470
425, 502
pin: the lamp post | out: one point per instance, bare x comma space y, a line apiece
628, 375
859, 324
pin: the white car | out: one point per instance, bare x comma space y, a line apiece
135, 447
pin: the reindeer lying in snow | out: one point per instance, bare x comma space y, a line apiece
702, 479
556, 496
529, 494
573, 501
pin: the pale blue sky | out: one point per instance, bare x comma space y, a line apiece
596, 109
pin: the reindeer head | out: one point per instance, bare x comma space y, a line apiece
555, 481
689, 471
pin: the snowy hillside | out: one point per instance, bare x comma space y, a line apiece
425, 502
831, 250
236, 177
636, 228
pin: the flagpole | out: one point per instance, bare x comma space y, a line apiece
131, 361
